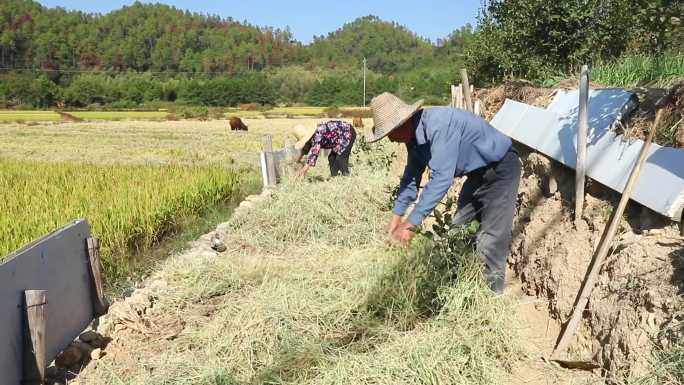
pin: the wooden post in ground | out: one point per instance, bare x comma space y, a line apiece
603, 249
477, 108
453, 96
270, 160
97, 288
466, 90
34, 355
459, 95
264, 169
582, 131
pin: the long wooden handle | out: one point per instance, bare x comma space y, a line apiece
604, 246
582, 129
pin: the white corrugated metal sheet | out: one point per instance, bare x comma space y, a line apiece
553, 132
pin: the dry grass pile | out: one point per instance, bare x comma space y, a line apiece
308, 293
520, 90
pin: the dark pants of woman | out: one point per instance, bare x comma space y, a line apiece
339, 163
489, 195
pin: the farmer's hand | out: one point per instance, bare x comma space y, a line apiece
393, 224
302, 171
403, 234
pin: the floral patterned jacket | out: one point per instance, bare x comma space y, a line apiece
335, 135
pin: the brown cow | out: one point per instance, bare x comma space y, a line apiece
236, 124
357, 122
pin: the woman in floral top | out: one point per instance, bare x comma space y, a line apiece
335, 135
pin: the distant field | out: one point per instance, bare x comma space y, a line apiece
135, 181
120, 115
144, 142
18, 115
51, 116
33, 116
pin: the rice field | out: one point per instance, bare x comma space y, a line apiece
29, 116
120, 115
51, 116
129, 207
7, 116
144, 142
135, 182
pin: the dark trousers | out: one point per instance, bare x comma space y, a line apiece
339, 163
489, 195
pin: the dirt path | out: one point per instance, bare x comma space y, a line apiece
537, 333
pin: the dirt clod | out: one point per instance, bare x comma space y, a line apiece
71, 356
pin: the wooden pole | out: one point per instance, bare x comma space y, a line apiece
583, 128
466, 90
477, 108
364, 82
453, 96
34, 361
100, 305
270, 161
459, 96
264, 169
603, 248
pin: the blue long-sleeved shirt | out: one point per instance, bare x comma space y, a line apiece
451, 142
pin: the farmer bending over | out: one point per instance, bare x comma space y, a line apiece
335, 135
452, 142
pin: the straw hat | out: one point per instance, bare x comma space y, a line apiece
303, 134
390, 112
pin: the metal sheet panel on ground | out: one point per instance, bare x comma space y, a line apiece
59, 264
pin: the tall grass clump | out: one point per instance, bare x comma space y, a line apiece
129, 208
638, 70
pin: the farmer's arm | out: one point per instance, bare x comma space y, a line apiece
314, 149
444, 148
408, 185
408, 188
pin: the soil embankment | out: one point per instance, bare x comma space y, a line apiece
633, 306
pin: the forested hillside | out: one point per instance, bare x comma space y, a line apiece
139, 37
147, 53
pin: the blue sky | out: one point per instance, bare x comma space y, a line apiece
306, 18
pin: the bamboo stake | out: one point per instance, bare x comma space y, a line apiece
459, 95
583, 128
34, 361
98, 298
603, 248
270, 160
453, 96
466, 90
477, 108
